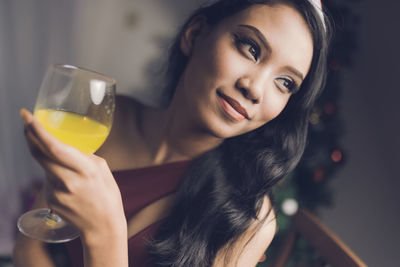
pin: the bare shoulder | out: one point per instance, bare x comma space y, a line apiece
248, 250
120, 141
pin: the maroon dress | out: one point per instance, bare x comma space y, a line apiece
139, 188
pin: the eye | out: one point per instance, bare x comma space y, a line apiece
248, 46
286, 84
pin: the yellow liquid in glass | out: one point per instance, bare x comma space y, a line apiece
76, 130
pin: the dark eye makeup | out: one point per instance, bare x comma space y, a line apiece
250, 48
289, 84
247, 46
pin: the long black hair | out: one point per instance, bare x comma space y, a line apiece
223, 189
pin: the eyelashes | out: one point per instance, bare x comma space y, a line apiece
286, 84
252, 50
248, 46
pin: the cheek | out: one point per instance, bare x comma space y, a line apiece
273, 106
225, 63
210, 67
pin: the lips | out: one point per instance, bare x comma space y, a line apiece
233, 107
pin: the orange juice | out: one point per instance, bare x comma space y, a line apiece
73, 129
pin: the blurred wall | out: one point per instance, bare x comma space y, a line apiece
367, 214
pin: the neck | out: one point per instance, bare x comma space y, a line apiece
171, 136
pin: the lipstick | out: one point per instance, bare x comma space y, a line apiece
232, 107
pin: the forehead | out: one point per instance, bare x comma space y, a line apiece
284, 28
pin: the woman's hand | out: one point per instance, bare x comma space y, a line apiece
80, 188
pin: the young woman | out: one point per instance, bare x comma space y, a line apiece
190, 185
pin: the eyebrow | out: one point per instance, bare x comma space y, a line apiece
295, 72
259, 35
269, 49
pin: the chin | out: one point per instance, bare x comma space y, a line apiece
217, 125
223, 130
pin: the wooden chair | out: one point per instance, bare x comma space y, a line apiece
329, 247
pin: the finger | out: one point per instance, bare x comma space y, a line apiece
58, 171
51, 146
35, 147
38, 151
57, 201
60, 178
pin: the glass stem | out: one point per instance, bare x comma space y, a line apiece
52, 219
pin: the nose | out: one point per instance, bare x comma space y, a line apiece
249, 90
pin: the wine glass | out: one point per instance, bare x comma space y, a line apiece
76, 106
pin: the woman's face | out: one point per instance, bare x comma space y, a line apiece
242, 72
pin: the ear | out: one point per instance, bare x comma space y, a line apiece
191, 33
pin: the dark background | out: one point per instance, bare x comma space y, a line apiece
366, 214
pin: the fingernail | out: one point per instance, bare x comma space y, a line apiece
25, 116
